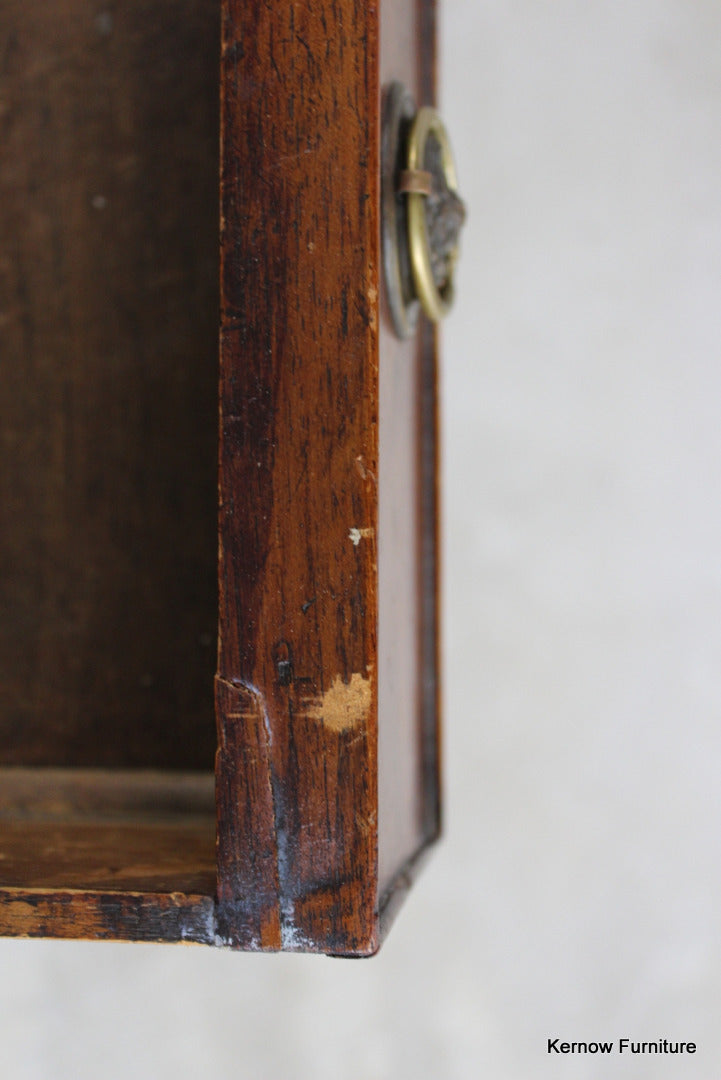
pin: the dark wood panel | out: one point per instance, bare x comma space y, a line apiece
108, 409
328, 545
106, 916
300, 288
49, 794
107, 854
122, 857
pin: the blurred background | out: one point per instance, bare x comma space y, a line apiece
576, 892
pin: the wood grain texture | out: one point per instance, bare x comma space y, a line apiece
108, 407
116, 916
107, 830
247, 846
328, 469
143, 856
107, 854
299, 291
311, 674
104, 795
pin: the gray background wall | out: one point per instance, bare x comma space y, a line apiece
577, 890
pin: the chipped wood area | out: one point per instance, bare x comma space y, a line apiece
345, 705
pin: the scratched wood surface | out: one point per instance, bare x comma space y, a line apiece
302, 648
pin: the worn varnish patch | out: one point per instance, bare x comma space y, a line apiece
345, 705
248, 912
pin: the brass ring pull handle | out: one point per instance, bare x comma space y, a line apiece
422, 212
435, 213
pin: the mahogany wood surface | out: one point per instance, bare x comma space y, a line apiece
117, 830
299, 293
108, 406
119, 857
104, 795
107, 853
326, 690
310, 677
94, 914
